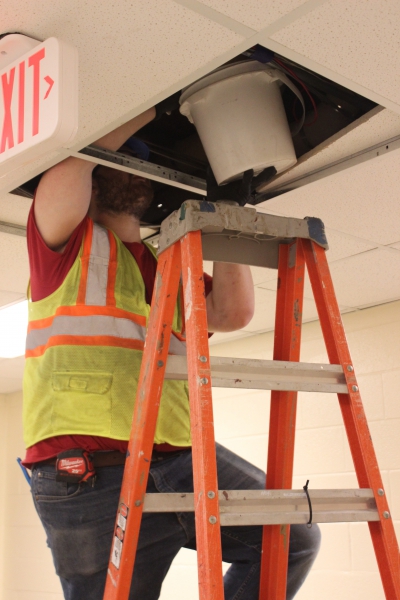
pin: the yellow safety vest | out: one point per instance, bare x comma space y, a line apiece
84, 348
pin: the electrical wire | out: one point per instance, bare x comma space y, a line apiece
303, 85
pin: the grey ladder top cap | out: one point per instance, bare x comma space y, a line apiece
226, 221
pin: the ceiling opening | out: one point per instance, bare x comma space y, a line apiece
174, 143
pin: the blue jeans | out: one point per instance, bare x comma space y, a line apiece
79, 523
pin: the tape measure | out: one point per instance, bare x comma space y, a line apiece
74, 466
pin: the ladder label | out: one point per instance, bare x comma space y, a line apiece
119, 534
116, 552
122, 522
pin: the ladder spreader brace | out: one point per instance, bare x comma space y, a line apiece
227, 233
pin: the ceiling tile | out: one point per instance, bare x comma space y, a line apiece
264, 315
261, 275
360, 44
342, 245
309, 311
14, 209
361, 201
208, 267
254, 13
220, 338
367, 279
359, 281
10, 297
14, 270
375, 127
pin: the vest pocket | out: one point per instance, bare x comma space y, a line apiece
82, 402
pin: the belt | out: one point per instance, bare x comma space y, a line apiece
99, 459
113, 458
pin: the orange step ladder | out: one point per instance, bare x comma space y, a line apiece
223, 232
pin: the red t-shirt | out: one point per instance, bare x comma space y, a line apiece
48, 270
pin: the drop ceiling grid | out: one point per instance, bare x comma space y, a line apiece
360, 43
342, 245
253, 13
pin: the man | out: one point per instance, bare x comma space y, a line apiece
91, 284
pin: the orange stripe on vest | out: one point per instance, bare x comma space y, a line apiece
82, 340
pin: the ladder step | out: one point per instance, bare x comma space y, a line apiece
277, 507
266, 374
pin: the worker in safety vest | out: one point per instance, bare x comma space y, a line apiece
91, 285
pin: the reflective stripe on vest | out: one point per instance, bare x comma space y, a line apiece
97, 277
98, 261
84, 325
93, 329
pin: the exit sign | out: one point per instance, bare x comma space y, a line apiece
38, 100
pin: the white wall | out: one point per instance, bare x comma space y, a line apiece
28, 572
346, 566
2, 486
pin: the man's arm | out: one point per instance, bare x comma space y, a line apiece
230, 304
64, 192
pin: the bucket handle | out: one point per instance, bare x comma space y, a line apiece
277, 74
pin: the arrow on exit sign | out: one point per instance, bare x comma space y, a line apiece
38, 102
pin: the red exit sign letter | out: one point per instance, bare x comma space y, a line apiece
38, 101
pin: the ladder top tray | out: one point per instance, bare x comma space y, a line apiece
232, 233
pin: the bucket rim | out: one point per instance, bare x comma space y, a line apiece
227, 72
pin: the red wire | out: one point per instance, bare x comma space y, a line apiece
293, 74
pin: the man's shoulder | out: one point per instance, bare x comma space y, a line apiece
48, 268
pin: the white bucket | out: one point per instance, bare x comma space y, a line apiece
239, 115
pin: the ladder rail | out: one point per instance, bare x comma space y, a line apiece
137, 465
282, 424
365, 462
208, 532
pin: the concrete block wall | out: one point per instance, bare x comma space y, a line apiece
346, 566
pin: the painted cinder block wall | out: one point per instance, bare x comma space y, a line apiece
346, 566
